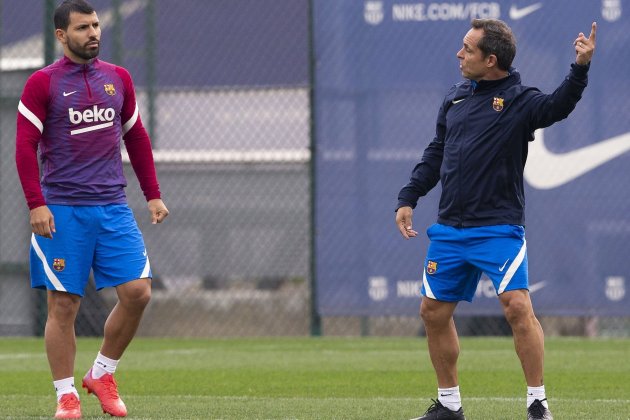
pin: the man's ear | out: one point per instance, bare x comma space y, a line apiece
60, 34
491, 61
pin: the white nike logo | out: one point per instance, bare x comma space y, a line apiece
533, 288
503, 266
458, 101
546, 170
516, 13
144, 252
69, 93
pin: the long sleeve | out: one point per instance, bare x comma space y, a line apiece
137, 141
32, 111
426, 174
548, 109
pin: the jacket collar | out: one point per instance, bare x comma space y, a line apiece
512, 78
65, 61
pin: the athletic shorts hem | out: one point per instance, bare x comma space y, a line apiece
453, 300
119, 282
508, 289
46, 287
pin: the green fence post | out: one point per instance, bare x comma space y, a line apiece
316, 322
150, 63
49, 33
117, 37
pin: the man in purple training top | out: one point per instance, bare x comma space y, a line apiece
76, 111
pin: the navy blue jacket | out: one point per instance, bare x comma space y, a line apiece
480, 147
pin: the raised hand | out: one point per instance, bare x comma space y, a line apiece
584, 47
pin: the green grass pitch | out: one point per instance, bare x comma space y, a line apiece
322, 378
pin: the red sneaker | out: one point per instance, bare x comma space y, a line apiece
106, 391
68, 407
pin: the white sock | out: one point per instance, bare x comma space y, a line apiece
536, 393
65, 386
103, 365
450, 398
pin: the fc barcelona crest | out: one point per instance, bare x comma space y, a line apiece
431, 267
497, 104
59, 264
111, 90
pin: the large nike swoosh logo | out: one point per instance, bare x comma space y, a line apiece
69, 93
533, 288
546, 170
516, 13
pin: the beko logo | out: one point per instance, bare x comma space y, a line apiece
91, 115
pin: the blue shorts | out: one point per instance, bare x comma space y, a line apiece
458, 256
105, 239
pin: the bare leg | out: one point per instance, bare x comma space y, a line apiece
528, 334
442, 339
122, 323
61, 345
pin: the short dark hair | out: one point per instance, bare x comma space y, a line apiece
497, 39
62, 12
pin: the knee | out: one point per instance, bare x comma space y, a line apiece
518, 312
63, 307
137, 296
430, 315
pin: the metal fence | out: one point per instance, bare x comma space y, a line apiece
225, 90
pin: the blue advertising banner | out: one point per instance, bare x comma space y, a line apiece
382, 70
197, 43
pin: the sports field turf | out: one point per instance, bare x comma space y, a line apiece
323, 378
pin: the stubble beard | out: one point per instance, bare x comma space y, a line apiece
83, 52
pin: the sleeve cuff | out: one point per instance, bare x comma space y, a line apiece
579, 70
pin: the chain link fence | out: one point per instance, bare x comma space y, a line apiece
225, 90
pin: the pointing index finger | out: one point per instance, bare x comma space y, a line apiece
593, 33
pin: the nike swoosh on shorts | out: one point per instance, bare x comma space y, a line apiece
546, 170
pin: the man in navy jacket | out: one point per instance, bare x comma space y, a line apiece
479, 153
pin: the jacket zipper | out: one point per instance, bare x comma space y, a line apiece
87, 85
459, 163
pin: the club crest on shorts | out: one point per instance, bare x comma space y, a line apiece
110, 89
431, 267
497, 104
59, 264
